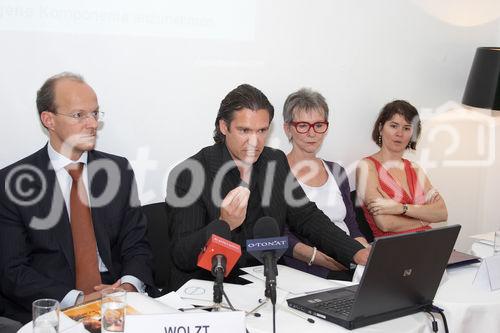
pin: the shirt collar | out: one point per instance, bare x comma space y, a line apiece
60, 161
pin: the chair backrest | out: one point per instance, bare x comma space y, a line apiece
363, 225
158, 236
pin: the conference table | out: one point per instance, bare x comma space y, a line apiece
467, 308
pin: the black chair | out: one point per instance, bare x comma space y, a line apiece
158, 236
8, 325
360, 217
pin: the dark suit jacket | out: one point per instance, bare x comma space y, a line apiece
189, 222
36, 256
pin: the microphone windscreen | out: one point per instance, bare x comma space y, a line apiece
219, 228
266, 227
218, 242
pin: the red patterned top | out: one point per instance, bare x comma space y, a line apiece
397, 193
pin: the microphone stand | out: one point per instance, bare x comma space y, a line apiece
218, 293
218, 270
218, 288
262, 303
270, 271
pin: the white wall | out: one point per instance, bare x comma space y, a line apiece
160, 69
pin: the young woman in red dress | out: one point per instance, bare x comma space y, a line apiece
397, 195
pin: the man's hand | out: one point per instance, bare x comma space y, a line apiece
234, 207
361, 257
91, 297
104, 286
97, 293
128, 287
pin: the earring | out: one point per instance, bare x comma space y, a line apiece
380, 140
408, 146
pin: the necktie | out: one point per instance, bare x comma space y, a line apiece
82, 230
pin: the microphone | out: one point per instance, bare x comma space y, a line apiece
219, 255
268, 247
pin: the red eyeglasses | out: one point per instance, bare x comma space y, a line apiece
304, 127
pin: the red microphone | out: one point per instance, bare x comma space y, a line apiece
219, 254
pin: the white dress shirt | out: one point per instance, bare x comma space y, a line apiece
59, 162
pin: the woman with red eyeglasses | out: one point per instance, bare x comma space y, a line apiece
305, 116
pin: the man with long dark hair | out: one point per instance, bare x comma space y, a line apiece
238, 180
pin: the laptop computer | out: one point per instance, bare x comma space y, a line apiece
401, 277
458, 259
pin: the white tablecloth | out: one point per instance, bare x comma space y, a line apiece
468, 308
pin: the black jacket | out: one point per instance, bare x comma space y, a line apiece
189, 222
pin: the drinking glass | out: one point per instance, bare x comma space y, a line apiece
113, 304
46, 316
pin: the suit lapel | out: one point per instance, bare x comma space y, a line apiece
54, 207
272, 173
262, 181
218, 163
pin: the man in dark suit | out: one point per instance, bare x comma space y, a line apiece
70, 218
238, 180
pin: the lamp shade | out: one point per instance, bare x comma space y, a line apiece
483, 85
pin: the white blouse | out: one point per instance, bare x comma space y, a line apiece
328, 198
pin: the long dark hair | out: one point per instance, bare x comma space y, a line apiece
244, 96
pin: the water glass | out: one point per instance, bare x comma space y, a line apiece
46, 316
113, 304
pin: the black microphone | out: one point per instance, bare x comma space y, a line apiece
268, 247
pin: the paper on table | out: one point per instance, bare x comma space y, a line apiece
173, 300
488, 275
295, 281
197, 289
486, 238
494, 271
252, 278
242, 297
147, 305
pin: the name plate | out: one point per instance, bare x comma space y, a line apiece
189, 322
488, 275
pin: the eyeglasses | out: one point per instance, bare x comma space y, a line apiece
304, 127
81, 116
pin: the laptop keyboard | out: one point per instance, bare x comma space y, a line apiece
338, 305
